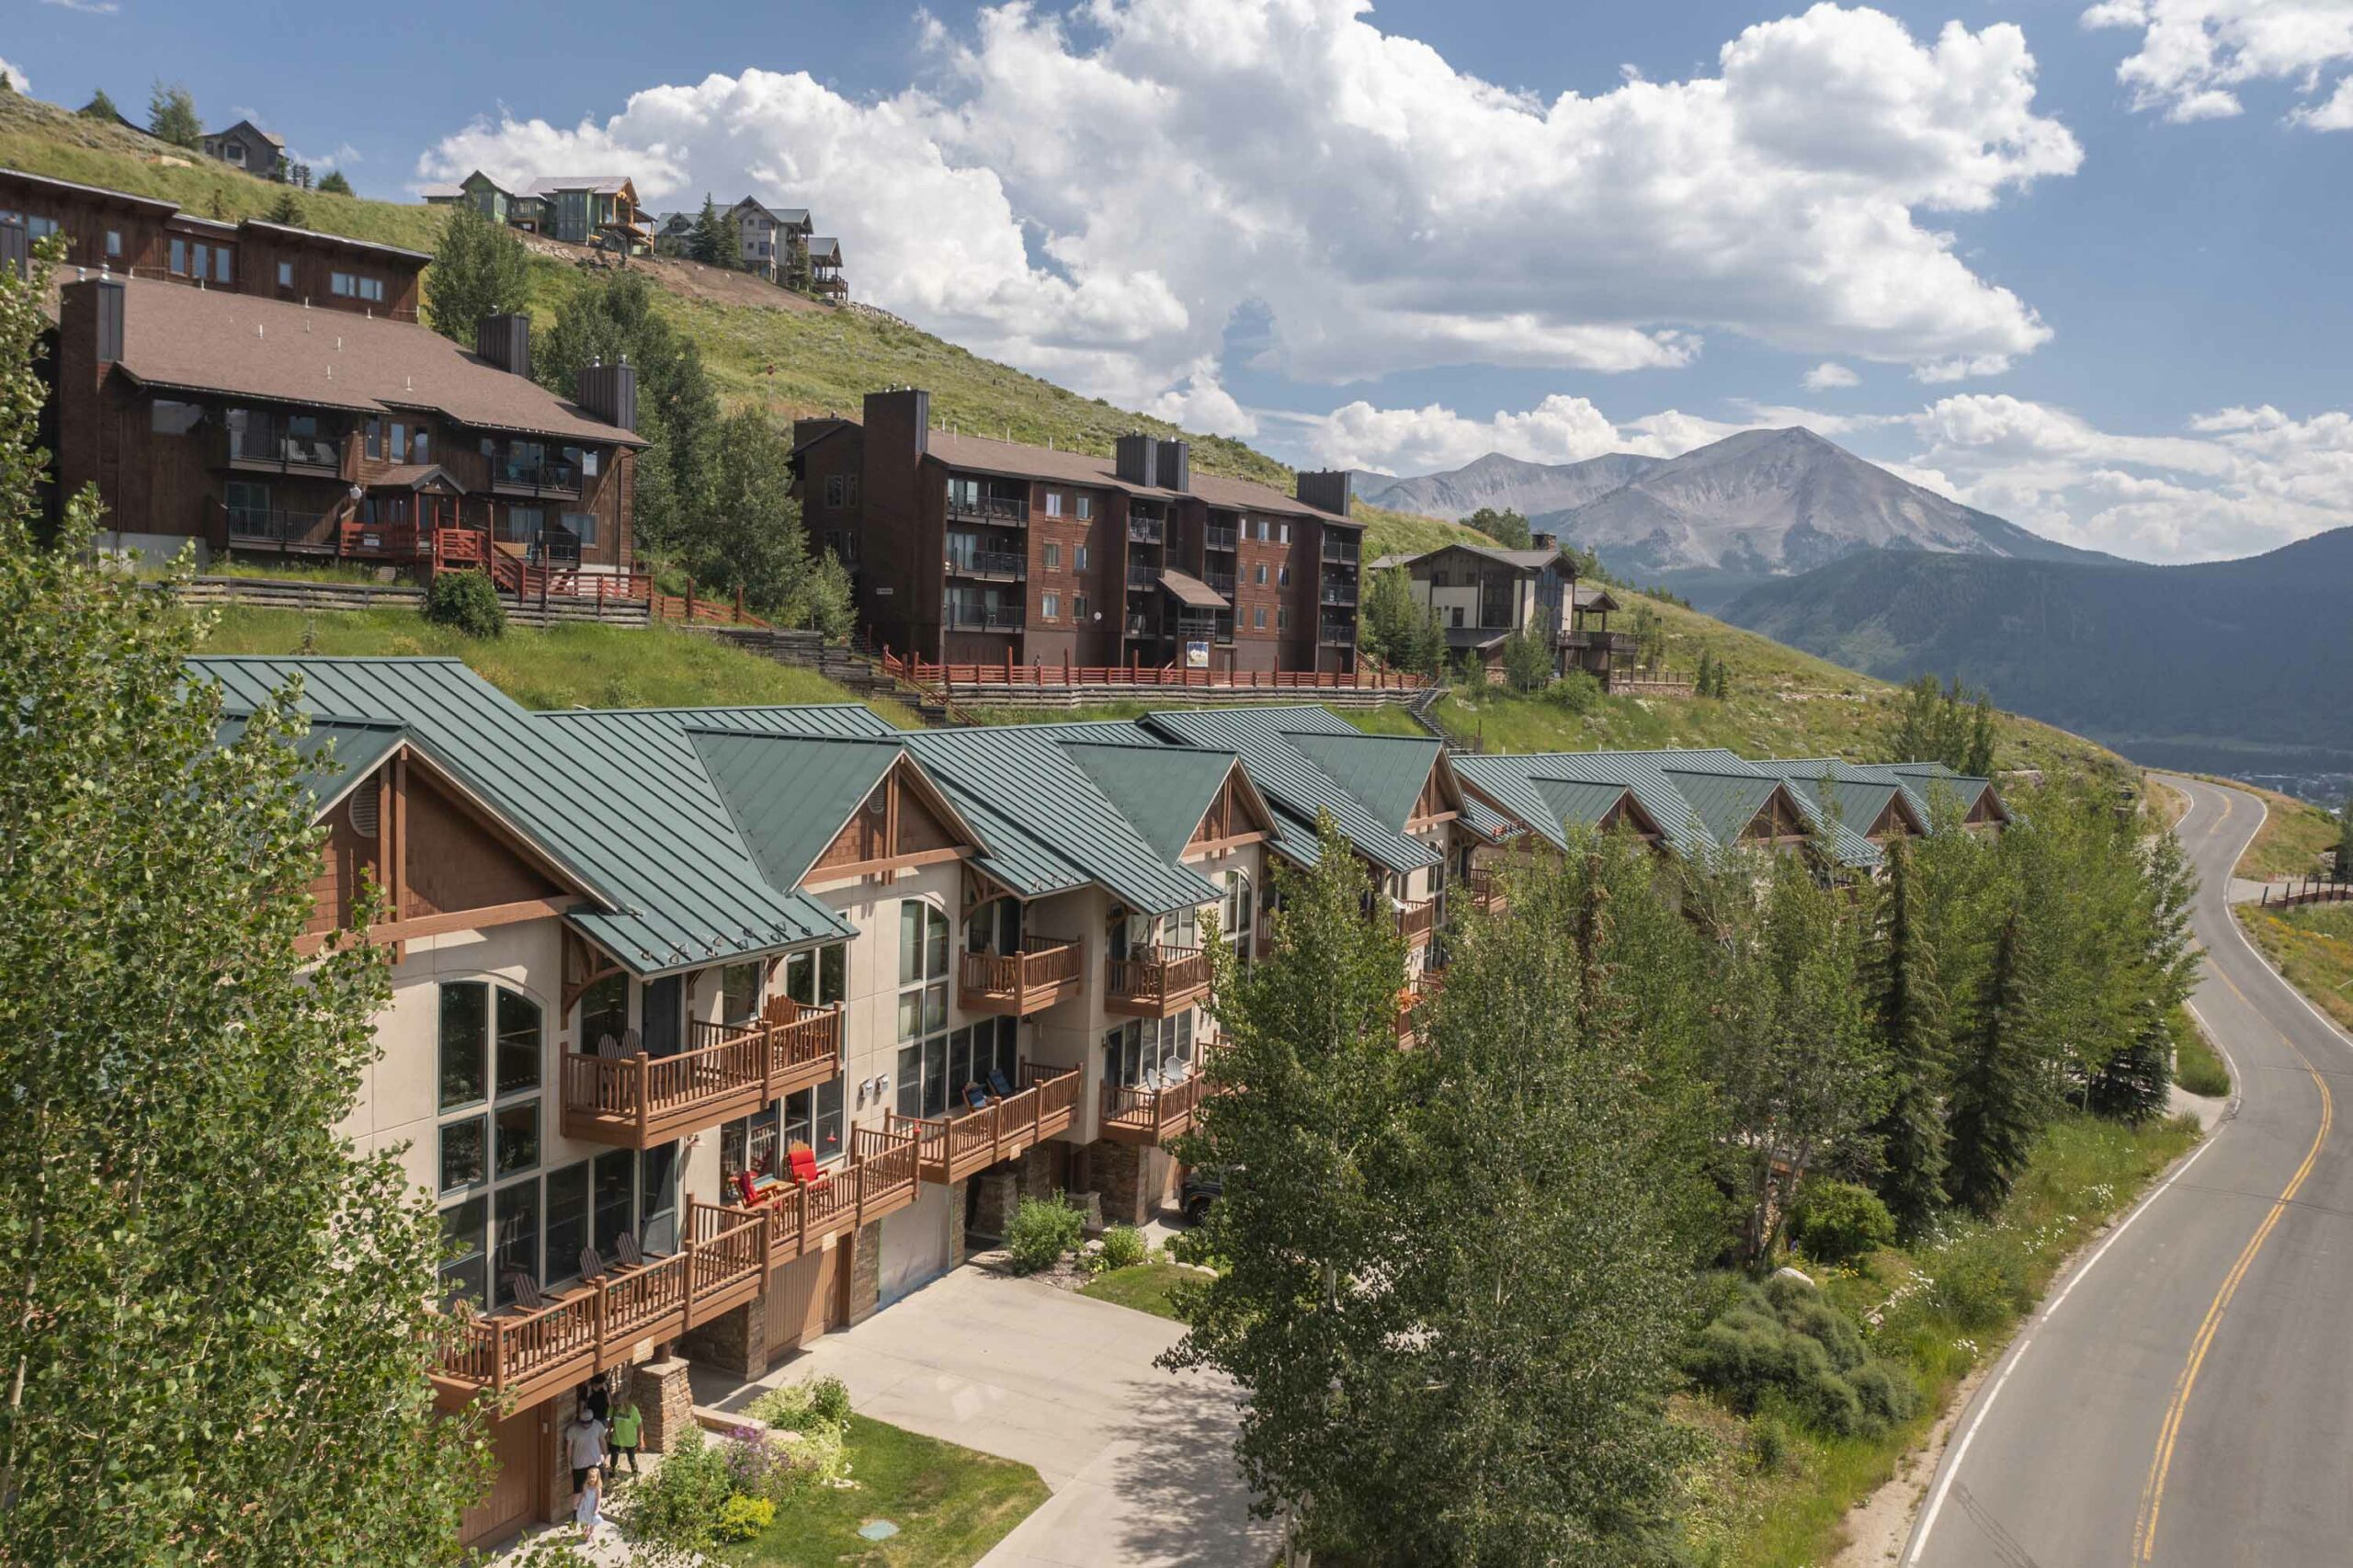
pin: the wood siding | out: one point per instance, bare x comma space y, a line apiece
456, 862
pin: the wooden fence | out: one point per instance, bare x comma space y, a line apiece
2312, 890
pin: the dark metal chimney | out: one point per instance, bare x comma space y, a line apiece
609, 391
1137, 460
1326, 491
506, 341
1175, 465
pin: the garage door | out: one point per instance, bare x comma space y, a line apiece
804, 1299
914, 1244
513, 1500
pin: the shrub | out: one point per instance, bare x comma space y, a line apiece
1978, 1281
1124, 1248
468, 601
819, 1404
741, 1518
1836, 1221
1576, 692
1041, 1232
1782, 1344
1768, 1443
1193, 1247
678, 1504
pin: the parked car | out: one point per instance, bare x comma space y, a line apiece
1202, 1186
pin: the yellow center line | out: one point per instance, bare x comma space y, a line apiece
2144, 1536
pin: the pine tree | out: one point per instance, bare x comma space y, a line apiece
1977, 761
286, 209
100, 107
1909, 1011
334, 184
713, 244
171, 117
2136, 1083
2000, 1098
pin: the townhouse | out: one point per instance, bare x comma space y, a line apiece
766, 239
1480, 594
139, 236
581, 209
712, 1029
262, 425
970, 551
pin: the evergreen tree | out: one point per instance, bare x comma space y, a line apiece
478, 268
333, 183
1650, 637
1950, 724
171, 117
1910, 1016
2000, 1096
714, 242
2135, 1085
747, 533
100, 107
219, 1320
1977, 759
1507, 527
796, 265
286, 209
1527, 656
1386, 624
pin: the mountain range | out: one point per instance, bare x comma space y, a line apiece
2230, 667
1726, 517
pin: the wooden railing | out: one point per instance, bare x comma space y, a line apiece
949, 1148
1414, 1003
1417, 921
728, 1070
596, 1324
1156, 978
2312, 889
690, 608
1486, 889
1134, 1113
937, 676
1036, 977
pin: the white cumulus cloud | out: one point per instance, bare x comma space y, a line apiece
23, 83
1097, 195
2196, 55
1830, 375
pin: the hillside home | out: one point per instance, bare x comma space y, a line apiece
257, 425
1482, 594
583, 209
766, 237
970, 551
138, 236
825, 269
247, 146
493, 201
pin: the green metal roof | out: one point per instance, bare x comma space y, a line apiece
1163, 791
655, 849
336, 751
1725, 804
1919, 781
1577, 802
1386, 772
790, 797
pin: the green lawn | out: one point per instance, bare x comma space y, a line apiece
2313, 945
564, 666
1146, 1286
951, 1504
2084, 1173
1387, 719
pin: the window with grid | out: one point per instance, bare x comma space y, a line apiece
922, 1009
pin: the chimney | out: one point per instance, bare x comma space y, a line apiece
899, 418
1543, 542
1326, 491
1136, 460
108, 294
1175, 465
15, 248
506, 341
609, 391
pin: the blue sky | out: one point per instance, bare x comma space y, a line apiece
2078, 263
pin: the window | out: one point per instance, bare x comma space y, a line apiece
1282, 577
1078, 558
220, 264
851, 481
114, 241
521, 525
372, 437
166, 417
515, 1217
739, 993
604, 1010
612, 1194
581, 525
1282, 618
491, 1065
657, 1199
400, 442
1258, 575
464, 1276
922, 1009
356, 286
465, 1035
749, 1144
1053, 502
819, 978
286, 275
248, 507
935, 1074
1078, 607
1086, 508
1235, 910
1051, 607
815, 1116
1283, 533
1144, 1048
1259, 618
835, 490
1053, 558
463, 1160
519, 1044
179, 256
236, 153
567, 1219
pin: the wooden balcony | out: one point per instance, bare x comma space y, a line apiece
1417, 922
730, 1070
1486, 889
1138, 1113
528, 1356
1157, 982
950, 1148
1413, 1004
1043, 973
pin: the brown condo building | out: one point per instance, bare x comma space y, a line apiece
966, 550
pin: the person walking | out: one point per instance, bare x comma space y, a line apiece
600, 1398
589, 1512
628, 1428
585, 1441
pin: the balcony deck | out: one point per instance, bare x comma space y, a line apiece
1155, 981
1043, 973
1417, 922
731, 1070
948, 1149
1134, 1113
1486, 889
1413, 1004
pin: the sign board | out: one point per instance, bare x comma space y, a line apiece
1196, 656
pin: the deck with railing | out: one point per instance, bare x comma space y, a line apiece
729, 1070
925, 673
1154, 981
1487, 888
1413, 1004
1145, 1113
950, 1148
1043, 973
526, 1356
1417, 922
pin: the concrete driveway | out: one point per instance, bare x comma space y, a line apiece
1141, 1461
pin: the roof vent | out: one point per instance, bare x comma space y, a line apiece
362, 810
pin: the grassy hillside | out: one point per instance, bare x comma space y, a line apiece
1783, 703
2313, 948
2292, 838
564, 666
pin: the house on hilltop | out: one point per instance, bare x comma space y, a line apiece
767, 238
247, 146
1482, 594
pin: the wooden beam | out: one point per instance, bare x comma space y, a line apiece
832, 876
1219, 846
399, 931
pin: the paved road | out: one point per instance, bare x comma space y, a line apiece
2185, 1397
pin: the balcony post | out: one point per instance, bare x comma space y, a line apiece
687, 1295
498, 1356
643, 1099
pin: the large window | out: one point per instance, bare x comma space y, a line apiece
1235, 912
739, 989
1149, 1049
490, 1061
922, 1009
932, 1080
819, 977
758, 1142
604, 1010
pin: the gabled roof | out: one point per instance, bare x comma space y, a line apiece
1699, 799
1191, 591
1387, 773
600, 185
1918, 783
791, 798
979, 454
270, 137
1294, 783
339, 242
336, 751
1838, 793
1726, 804
1525, 562
825, 248
1580, 803
642, 834
1163, 790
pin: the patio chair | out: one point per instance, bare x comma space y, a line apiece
625, 1247
1003, 1090
804, 1161
595, 1270
609, 1048
633, 1043
524, 1286
976, 1097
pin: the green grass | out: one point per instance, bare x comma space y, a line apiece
308, 572
951, 1504
1146, 1286
564, 666
2292, 838
2083, 1173
1387, 719
2313, 945
2197, 1065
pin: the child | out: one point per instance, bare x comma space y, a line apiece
587, 1512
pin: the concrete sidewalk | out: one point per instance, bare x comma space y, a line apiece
1139, 1460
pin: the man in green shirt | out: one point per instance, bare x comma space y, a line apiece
627, 1426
